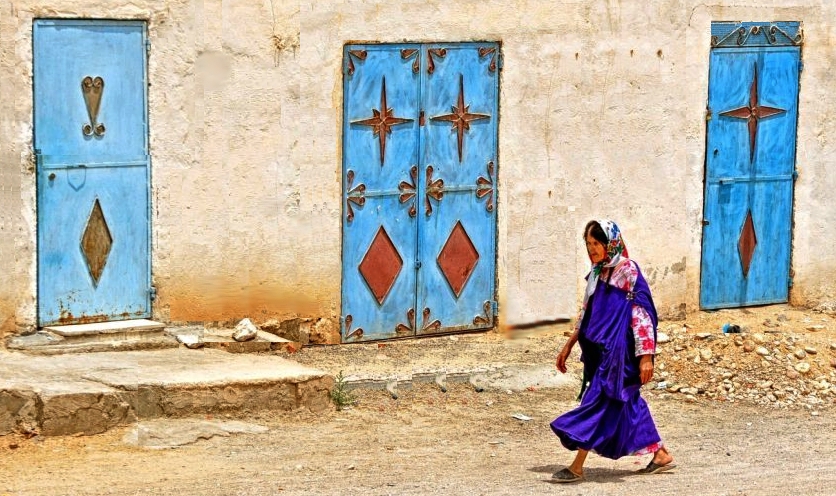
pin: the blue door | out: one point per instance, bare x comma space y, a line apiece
92, 171
750, 164
419, 168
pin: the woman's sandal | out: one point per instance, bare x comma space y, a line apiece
566, 475
655, 468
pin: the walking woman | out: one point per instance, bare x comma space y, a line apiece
616, 330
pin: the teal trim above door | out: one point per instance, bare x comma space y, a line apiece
93, 177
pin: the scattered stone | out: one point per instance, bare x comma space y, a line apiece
758, 338
191, 341
673, 388
762, 351
392, 388
748, 346
662, 338
738, 341
815, 328
245, 331
810, 350
678, 347
800, 354
833, 346
802, 367
833, 362
706, 354
702, 335
792, 374
782, 318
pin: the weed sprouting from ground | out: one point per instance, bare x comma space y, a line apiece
341, 396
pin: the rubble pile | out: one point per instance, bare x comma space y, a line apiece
776, 363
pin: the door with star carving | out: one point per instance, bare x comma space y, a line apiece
419, 175
91, 151
750, 164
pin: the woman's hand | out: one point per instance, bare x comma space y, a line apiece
646, 368
561, 358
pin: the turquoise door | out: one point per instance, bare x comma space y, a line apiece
750, 164
419, 168
91, 148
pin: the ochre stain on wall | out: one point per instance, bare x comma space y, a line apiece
224, 300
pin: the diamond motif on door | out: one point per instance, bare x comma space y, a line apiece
96, 243
746, 243
458, 258
381, 265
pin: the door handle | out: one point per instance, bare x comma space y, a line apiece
51, 176
705, 222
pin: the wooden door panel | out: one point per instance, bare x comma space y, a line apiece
750, 165
92, 170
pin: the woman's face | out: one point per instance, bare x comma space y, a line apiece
597, 252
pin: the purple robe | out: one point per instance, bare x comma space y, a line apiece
612, 420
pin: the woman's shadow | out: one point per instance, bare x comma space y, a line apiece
601, 475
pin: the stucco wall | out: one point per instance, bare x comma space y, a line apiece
602, 115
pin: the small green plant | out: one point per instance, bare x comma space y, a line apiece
341, 396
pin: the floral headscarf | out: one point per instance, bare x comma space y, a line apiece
616, 252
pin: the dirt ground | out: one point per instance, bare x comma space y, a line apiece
727, 437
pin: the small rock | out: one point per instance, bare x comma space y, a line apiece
802, 367
810, 350
800, 354
833, 362
661, 337
190, 341
833, 346
351, 467
703, 335
738, 341
761, 351
678, 347
758, 338
815, 328
792, 374
782, 318
245, 331
748, 346
706, 354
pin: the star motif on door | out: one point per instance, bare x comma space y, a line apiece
461, 117
753, 113
382, 121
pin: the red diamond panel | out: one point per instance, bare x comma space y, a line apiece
746, 243
458, 259
381, 265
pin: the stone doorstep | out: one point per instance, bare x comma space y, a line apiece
62, 347
136, 329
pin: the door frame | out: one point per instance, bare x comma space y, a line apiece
146, 46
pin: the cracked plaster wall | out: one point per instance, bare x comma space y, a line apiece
602, 115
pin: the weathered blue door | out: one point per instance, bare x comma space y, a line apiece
419, 167
750, 164
92, 171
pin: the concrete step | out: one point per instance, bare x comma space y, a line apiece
90, 393
125, 335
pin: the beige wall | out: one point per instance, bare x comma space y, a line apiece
602, 115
